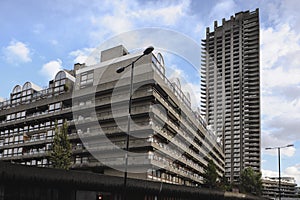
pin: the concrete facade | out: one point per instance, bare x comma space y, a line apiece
168, 141
230, 89
270, 188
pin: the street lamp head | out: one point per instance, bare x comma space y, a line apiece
120, 69
289, 145
148, 50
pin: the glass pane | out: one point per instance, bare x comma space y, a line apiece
90, 76
83, 77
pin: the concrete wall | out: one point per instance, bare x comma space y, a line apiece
19, 182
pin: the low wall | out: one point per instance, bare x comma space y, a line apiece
18, 182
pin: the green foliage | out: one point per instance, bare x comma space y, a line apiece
224, 184
250, 181
67, 87
210, 175
60, 155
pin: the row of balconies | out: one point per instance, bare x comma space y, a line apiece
190, 140
178, 156
187, 127
42, 117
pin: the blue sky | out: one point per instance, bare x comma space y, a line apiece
38, 38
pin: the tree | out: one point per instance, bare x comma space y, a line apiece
250, 181
60, 155
224, 184
210, 175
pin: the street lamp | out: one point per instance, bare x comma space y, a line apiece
120, 70
279, 180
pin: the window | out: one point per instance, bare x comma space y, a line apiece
16, 139
59, 82
51, 107
77, 160
17, 89
15, 151
27, 86
50, 134
23, 114
84, 159
158, 174
48, 124
86, 79
48, 146
57, 106
27, 91
16, 94
44, 161
54, 107
33, 162
11, 139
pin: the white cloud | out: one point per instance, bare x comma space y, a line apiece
53, 42
285, 11
271, 141
200, 29
194, 91
169, 14
280, 81
186, 86
176, 72
51, 68
125, 16
222, 9
269, 173
276, 42
84, 56
286, 109
280, 122
115, 23
280, 78
293, 171
17, 52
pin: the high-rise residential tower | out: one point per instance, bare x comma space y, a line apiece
230, 89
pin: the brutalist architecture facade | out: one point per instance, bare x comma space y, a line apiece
230, 89
270, 188
168, 141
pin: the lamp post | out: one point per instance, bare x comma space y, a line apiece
120, 70
279, 173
